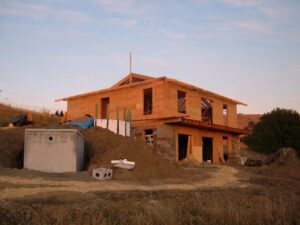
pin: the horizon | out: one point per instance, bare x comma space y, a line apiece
245, 50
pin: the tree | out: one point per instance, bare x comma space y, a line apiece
56, 113
61, 113
277, 129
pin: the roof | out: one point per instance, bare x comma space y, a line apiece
207, 126
134, 79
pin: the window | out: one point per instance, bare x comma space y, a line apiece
104, 108
181, 102
225, 114
206, 110
149, 136
147, 101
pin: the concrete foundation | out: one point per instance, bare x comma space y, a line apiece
54, 150
164, 140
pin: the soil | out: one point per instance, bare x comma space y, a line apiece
232, 195
285, 157
21, 186
101, 146
106, 146
157, 191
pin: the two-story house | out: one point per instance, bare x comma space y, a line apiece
181, 121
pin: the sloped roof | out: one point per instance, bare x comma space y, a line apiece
135, 79
132, 78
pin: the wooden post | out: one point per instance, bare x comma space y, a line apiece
129, 121
125, 118
118, 119
107, 116
96, 111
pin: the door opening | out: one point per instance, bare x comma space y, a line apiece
104, 107
207, 148
183, 141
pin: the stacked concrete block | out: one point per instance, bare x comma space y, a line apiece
102, 173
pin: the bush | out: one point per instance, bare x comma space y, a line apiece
277, 129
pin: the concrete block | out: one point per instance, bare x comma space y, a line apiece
102, 173
53, 150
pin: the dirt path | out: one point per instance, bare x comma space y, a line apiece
222, 177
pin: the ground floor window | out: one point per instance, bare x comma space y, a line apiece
149, 136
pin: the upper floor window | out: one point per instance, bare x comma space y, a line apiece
181, 101
148, 101
225, 114
206, 110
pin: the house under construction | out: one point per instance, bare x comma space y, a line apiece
181, 121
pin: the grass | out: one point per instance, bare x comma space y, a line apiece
44, 117
214, 206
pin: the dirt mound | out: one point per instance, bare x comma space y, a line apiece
11, 147
285, 157
101, 147
106, 146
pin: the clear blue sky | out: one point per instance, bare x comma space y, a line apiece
248, 50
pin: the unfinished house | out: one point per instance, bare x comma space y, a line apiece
179, 120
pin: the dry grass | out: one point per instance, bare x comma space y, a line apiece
211, 206
271, 197
43, 117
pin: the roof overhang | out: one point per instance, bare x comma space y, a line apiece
208, 126
201, 90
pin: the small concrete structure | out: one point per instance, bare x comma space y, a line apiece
102, 173
53, 150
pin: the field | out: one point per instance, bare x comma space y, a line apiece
157, 191
228, 195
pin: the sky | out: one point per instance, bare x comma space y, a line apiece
248, 50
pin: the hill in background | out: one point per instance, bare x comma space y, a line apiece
247, 120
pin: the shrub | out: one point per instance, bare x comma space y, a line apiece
276, 129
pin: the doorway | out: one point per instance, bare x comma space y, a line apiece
183, 142
104, 107
207, 148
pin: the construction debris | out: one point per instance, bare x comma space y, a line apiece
83, 122
243, 160
22, 119
102, 173
286, 157
123, 163
253, 162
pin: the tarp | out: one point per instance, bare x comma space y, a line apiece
82, 122
22, 119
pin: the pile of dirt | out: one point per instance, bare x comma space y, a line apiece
12, 147
285, 157
101, 146
105, 146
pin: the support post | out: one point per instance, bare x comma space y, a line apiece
96, 111
118, 119
125, 120
107, 117
129, 121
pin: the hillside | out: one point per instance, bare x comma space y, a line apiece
8, 111
244, 120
